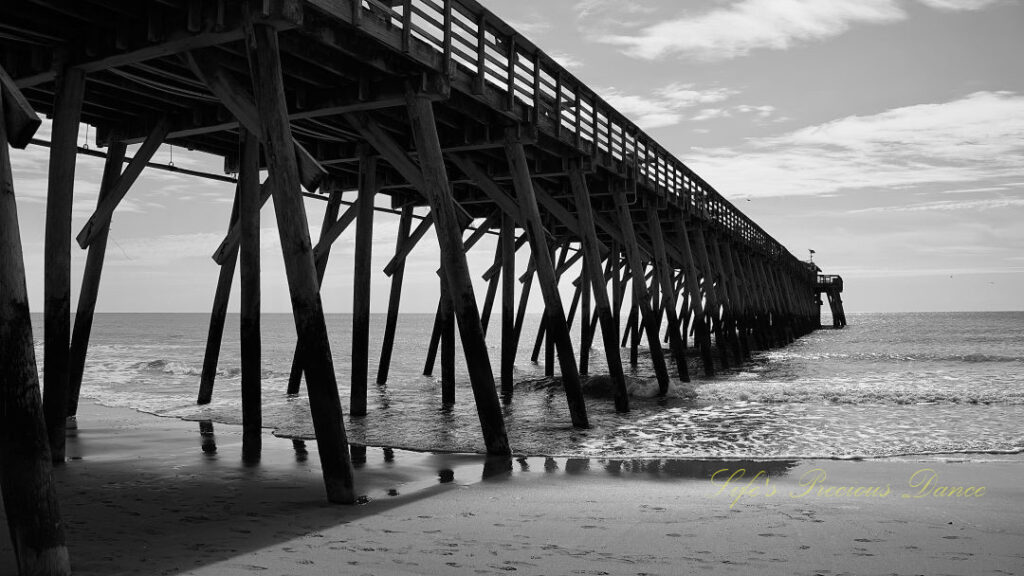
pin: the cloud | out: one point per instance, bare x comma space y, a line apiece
666, 106
568, 61
947, 206
958, 5
977, 140
737, 28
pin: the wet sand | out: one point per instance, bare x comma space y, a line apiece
148, 495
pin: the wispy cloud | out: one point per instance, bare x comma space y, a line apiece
667, 106
975, 140
946, 206
737, 28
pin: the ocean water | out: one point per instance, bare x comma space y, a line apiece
888, 384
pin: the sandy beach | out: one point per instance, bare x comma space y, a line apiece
149, 495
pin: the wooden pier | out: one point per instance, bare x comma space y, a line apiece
433, 104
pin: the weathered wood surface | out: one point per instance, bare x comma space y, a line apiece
26, 480
324, 402
57, 257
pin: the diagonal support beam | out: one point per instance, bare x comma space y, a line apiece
100, 220
663, 272
208, 66
324, 401
398, 262
437, 189
554, 312
641, 296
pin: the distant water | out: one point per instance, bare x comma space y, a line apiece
889, 384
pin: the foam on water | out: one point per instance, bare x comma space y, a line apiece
889, 384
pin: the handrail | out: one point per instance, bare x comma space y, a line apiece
472, 38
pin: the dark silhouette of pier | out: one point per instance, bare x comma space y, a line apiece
431, 103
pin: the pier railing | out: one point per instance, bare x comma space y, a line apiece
463, 37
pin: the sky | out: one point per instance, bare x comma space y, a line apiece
886, 135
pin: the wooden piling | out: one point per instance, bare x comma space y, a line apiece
249, 278
508, 288
215, 333
67, 110
324, 402
449, 234
361, 275
663, 273
703, 333
331, 228
89, 293
446, 316
598, 284
641, 297
26, 480
554, 311
391, 325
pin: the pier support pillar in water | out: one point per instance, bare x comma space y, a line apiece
67, 110
598, 284
215, 333
26, 472
641, 296
690, 284
508, 298
89, 293
332, 228
557, 328
714, 301
324, 402
361, 279
429, 176
663, 275
397, 277
249, 279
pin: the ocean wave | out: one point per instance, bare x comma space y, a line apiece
910, 356
863, 392
173, 367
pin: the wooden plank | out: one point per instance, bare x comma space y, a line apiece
361, 275
89, 293
208, 67
26, 479
449, 234
57, 257
20, 119
324, 402
554, 311
397, 277
100, 219
249, 279
641, 297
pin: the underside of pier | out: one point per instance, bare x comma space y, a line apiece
435, 105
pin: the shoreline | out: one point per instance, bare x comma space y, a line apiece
141, 496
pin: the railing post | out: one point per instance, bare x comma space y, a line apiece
481, 58
406, 25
